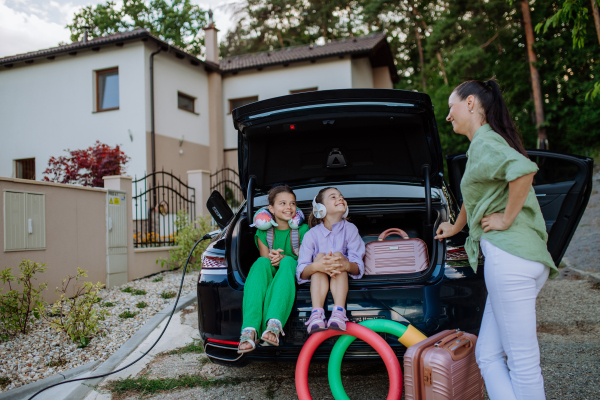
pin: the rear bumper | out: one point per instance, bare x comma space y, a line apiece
455, 300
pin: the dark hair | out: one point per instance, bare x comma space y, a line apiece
496, 114
312, 220
277, 190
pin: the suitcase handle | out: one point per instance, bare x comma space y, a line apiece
391, 231
460, 350
449, 338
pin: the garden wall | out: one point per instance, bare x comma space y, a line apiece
75, 231
68, 230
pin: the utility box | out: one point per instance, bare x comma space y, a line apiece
24, 221
116, 237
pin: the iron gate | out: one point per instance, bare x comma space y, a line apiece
227, 182
158, 198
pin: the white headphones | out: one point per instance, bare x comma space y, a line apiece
320, 211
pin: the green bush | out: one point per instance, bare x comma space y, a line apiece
108, 304
138, 292
18, 306
141, 304
128, 314
75, 315
159, 279
168, 295
188, 233
128, 289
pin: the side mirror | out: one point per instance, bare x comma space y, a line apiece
219, 209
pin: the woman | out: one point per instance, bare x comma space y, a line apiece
504, 217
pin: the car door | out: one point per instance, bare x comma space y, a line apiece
562, 185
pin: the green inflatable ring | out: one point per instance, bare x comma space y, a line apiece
335, 359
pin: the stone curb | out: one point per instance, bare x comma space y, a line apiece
128, 347
27, 390
589, 275
113, 361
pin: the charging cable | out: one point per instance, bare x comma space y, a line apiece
207, 236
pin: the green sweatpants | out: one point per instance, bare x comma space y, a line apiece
269, 292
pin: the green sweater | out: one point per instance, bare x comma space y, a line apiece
281, 239
491, 165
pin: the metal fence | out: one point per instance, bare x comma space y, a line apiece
158, 199
227, 182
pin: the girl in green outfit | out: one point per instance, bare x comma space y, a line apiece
270, 288
505, 219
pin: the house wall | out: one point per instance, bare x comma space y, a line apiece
382, 78
75, 233
362, 73
278, 81
49, 106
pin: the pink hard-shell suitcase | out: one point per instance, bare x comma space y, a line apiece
400, 256
443, 367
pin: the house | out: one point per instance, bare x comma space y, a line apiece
166, 108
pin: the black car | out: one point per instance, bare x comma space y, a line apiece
382, 150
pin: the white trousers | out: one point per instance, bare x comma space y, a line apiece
507, 350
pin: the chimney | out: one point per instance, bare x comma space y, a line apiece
85, 34
210, 40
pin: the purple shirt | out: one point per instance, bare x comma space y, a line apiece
342, 237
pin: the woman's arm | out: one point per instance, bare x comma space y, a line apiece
446, 229
517, 194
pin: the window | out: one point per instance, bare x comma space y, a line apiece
312, 89
185, 102
235, 103
25, 221
25, 168
107, 89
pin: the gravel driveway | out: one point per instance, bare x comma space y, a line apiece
568, 331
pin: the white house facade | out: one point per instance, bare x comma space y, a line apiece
69, 97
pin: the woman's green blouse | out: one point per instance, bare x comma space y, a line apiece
491, 165
281, 239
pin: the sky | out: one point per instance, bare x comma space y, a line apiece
29, 25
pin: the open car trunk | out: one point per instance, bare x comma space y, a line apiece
371, 221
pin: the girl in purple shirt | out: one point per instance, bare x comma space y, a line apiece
331, 251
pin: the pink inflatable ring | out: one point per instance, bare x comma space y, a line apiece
360, 332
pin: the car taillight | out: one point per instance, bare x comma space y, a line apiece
224, 342
213, 262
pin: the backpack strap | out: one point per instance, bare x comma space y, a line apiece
295, 240
270, 237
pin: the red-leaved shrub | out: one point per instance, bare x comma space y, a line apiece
87, 167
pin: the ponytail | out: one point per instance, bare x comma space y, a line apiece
496, 113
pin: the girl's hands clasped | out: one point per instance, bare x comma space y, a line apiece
333, 264
275, 256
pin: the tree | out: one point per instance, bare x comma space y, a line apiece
575, 13
178, 22
87, 167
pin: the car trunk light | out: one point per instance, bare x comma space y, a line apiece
224, 342
213, 262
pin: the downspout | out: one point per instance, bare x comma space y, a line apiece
152, 133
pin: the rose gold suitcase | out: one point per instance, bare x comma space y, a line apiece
443, 367
400, 256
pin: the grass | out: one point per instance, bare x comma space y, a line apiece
128, 314
159, 279
57, 363
4, 381
168, 295
141, 304
108, 304
145, 386
135, 292
194, 347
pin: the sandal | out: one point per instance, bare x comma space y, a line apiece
248, 336
274, 327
